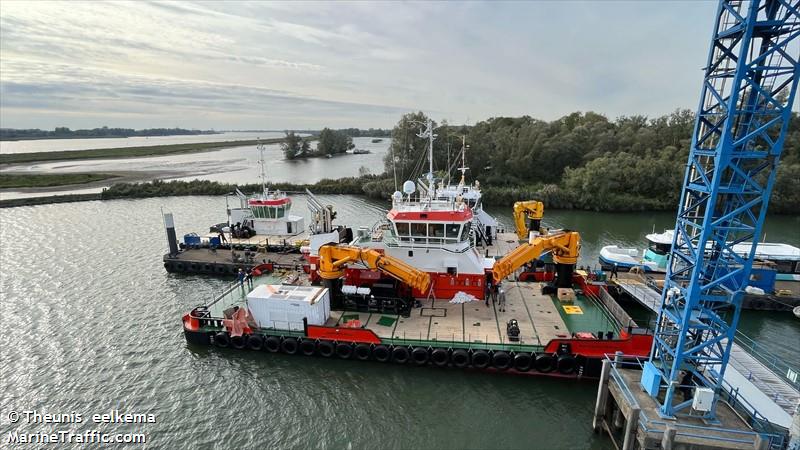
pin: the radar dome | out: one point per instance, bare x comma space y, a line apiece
397, 196
409, 188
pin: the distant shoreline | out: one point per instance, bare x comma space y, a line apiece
130, 152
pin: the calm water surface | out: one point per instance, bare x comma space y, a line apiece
91, 322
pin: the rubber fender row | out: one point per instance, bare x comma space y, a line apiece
193, 267
440, 357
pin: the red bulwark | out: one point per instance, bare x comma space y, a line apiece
269, 202
343, 334
629, 344
431, 216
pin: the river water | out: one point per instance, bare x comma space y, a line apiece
236, 165
91, 323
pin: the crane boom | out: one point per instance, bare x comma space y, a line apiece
334, 258
531, 210
749, 86
564, 245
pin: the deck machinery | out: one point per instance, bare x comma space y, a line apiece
748, 90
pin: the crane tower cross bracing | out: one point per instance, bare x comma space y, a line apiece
747, 95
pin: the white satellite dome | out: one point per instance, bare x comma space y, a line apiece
409, 187
397, 196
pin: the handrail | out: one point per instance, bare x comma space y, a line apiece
754, 418
770, 360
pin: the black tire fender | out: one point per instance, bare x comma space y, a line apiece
440, 357
566, 364
308, 347
222, 340
344, 350
381, 353
523, 361
400, 355
272, 344
255, 342
480, 359
289, 346
325, 349
544, 363
238, 342
460, 358
501, 360
362, 352
420, 356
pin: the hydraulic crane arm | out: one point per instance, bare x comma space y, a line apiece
564, 245
334, 258
531, 210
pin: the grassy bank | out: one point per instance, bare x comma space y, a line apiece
24, 180
128, 152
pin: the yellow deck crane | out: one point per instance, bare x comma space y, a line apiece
564, 245
333, 259
528, 216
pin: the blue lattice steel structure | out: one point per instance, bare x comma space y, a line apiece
748, 92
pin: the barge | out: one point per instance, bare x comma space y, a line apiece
535, 333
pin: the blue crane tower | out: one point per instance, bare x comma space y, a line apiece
745, 106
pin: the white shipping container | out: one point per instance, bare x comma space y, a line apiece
283, 307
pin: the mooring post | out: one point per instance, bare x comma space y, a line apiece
669, 437
630, 429
602, 396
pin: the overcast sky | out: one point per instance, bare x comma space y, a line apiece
309, 65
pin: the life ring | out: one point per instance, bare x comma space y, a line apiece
420, 356
381, 353
344, 350
400, 355
480, 359
362, 352
460, 358
439, 357
308, 347
544, 363
255, 342
325, 348
272, 344
523, 361
501, 360
566, 364
238, 342
289, 346
222, 340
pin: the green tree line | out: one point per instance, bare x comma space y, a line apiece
581, 161
10, 134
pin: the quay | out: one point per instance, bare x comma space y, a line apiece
631, 417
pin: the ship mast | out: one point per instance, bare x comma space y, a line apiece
261, 148
463, 168
428, 133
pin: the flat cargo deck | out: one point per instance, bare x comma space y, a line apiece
541, 318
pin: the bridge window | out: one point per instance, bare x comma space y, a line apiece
452, 230
465, 231
419, 230
402, 228
436, 230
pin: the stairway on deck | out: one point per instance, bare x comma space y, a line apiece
747, 369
